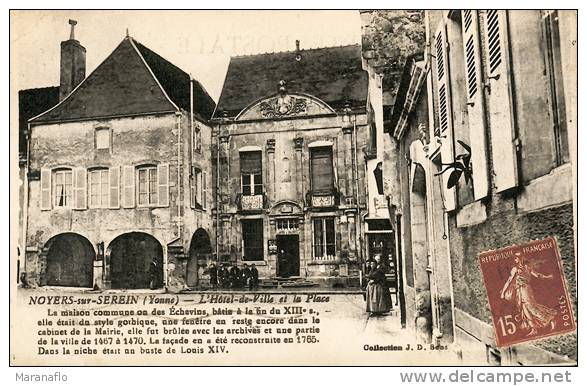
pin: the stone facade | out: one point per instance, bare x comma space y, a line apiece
285, 145
116, 196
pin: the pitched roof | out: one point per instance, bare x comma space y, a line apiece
33, 102
131, 80
332, 74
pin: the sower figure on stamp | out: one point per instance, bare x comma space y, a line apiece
517, 288
378, 296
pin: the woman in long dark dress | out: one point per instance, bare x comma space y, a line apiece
378, 296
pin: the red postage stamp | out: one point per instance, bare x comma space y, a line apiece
527, 292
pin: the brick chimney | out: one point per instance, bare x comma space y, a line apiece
73, 63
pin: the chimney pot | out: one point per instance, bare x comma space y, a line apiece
72, 23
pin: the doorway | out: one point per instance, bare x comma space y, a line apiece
288, 255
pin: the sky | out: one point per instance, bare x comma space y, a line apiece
199, 42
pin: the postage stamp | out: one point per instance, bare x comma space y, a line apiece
527, 292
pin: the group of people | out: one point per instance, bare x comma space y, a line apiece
226, 276
378, 297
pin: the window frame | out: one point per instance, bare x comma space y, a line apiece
554, 68
104, 190
151, 171
313, 151
324, 244
196, 189
261, 239
69, 198
255, 187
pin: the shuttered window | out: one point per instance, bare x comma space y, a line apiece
321, 168
147, 185
503, 149
252, 231
62, 188
251, 173
445, 129
99, 184
475, 103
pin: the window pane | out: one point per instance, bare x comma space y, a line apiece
321, 169
250, 162
329, 222
318, 237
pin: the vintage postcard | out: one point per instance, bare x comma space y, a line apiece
293, 187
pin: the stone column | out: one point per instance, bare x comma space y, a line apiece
271, 180
348, 231
300, 188
348, 165
304, 245
223, 195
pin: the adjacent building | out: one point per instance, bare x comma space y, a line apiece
117, 174
497, 88
292, 138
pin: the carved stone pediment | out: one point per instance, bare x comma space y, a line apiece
286, 208
285, 105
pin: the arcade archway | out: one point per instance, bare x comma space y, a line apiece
200, 249
70, 261
136, 261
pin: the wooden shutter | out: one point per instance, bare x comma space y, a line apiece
115, 187
46, 189
128, 186
503, 148
445, 129
80, 185
204, 190
475, 103
163, 184
322, 169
